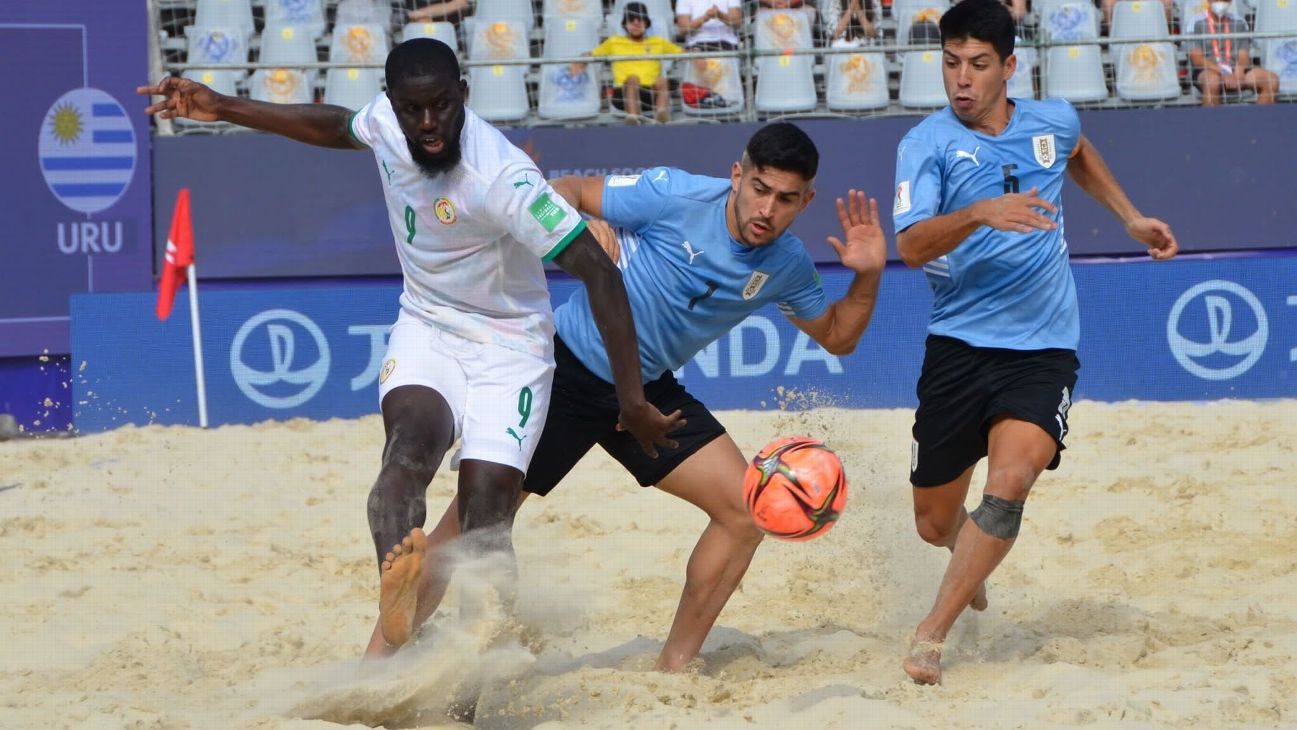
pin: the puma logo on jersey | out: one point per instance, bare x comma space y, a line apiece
690, 252
962, 155
522, 182
662, 175
387, 170
516, 436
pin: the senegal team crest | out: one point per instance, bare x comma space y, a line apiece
1042, 146
445, 210
754, 285
386, 372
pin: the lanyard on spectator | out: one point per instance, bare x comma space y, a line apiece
1215, 42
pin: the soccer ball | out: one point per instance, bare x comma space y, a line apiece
795, 488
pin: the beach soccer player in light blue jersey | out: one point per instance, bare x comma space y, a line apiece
698, 255
979, 206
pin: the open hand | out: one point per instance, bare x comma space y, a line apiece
864, 249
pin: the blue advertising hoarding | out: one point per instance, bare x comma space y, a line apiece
307, 211
1183, 330
75, 151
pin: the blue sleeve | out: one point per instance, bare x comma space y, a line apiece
804, 297
635, 201
918, 182
1064, 116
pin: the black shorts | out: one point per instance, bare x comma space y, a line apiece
645, 98
583, 412
962, 389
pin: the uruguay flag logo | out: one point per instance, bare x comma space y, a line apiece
87, 150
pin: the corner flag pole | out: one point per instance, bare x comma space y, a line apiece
198, 346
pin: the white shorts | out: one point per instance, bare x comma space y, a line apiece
498, 397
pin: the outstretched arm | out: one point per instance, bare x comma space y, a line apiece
584, 259
318, 124
864, 251
1090, 172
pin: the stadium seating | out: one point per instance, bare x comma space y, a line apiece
211, 40
1022, 83
225, 14
444, 32
216, 48
1279, 55
564, 95
856, 81
921, 84
1143, 71
498, 92
589, 9
285, 45
1069, 21
1075, 73
305, 14
786, 82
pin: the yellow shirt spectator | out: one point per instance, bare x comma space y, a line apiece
647, 70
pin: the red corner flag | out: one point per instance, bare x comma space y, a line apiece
180, 254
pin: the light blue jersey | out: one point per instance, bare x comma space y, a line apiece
997, 288
688, 281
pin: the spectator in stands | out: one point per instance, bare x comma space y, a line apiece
847, 26
634, 79
709, 25
450, 11
1225, 64
786, 4
363, 12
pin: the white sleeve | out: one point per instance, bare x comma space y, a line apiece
361, 126
528, 208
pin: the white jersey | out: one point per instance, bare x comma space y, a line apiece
471, 240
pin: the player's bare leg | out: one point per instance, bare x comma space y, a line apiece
436, 576
711, 479
1018, 453
419, 430
939, 515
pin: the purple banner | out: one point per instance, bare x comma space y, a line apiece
76, 195
1222, 177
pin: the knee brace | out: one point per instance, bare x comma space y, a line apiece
998, 517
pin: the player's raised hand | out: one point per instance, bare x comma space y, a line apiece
184, 98
650, 426
1017, 212
1156, 235
862, 248
606, 236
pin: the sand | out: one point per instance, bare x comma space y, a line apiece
171, 578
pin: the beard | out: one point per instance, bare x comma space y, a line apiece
434, 165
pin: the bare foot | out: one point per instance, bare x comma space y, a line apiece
398, 593
979, 599
923, 663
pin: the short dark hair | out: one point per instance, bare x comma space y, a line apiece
784, 146
988, 21
421, 57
